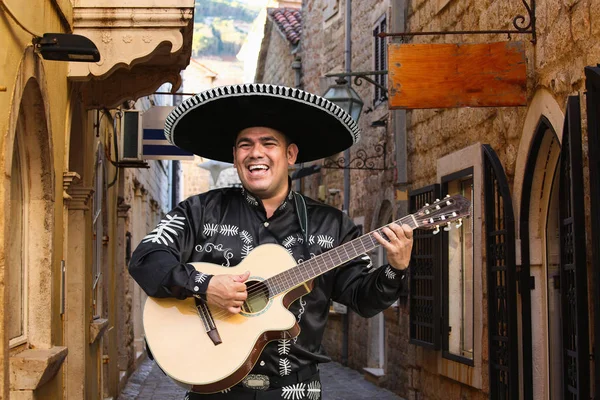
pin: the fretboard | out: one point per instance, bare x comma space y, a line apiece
329, 260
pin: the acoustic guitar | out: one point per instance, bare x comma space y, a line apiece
183, 333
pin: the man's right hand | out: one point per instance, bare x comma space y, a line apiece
227, 291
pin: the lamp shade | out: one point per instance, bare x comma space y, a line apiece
345, 97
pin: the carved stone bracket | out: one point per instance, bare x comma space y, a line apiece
68, 178
122, 208
97, 329
33, 368
79, 197
136, 38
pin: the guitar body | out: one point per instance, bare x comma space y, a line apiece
178, 338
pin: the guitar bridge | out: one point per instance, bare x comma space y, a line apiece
208, 321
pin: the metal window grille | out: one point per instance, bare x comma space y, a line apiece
425, 277
573, 267
592, 75
501, 279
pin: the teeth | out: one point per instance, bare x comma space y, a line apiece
254, 167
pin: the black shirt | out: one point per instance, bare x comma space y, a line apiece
223, 226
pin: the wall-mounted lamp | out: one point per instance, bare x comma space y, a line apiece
66, 47
344, 96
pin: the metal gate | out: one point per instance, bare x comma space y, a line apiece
501, 279
573, 267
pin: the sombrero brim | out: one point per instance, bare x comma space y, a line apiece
208, 123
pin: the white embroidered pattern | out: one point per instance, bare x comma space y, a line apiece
162, 230
209, 247
285, 367
325, 241
229, 230
283, 346
289, 241
293, 392
250, 199
313, 390
389, 273
300, 312
246, 249
283, 205
311, 239
200, 278
226, 390
246, 237
210, 229
367, 258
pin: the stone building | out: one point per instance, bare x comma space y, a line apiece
504, 306
72, 206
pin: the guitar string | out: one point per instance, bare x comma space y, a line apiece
261, 289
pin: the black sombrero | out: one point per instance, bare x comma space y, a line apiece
208, 123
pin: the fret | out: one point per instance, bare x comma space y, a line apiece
310, 269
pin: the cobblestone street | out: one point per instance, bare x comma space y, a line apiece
339, 383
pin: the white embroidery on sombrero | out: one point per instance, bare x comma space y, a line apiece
252, 89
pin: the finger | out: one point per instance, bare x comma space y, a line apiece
408, 231
384, 243
234, 310
241, 296
241, 278
239, 287
237, 303
398, 231
391, 235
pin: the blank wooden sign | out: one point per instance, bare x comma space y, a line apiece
457, 75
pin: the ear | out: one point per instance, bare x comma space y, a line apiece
292, 153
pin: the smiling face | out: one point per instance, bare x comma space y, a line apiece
262, 156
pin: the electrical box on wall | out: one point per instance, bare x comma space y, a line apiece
131, 135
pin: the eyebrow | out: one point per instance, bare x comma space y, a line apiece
260, 139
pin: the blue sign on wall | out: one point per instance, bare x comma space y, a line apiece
154, 144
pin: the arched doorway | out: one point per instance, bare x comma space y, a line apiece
29, 222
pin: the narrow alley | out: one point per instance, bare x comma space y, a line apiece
339, 383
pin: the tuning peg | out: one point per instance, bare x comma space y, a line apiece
448, 203
426, 204
459, 223
448, 227
447, 196
436, 230
427, 212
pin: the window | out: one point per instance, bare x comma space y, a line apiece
98, 232
380, 58
457, 257
17, 295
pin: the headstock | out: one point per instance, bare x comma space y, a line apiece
443, 212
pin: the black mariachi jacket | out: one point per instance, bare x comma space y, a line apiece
223, 226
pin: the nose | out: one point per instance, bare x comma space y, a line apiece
256, 151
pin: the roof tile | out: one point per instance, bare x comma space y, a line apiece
289, 22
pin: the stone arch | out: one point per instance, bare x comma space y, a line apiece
543, 105
29, 128
537, 160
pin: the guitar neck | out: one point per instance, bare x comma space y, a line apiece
329, 260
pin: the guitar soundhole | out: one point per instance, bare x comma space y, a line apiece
258, 297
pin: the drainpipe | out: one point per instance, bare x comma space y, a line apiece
297, 67
348, 62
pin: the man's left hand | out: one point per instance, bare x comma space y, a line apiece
399, 245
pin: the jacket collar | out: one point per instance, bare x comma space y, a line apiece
255, 202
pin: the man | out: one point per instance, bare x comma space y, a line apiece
270, 128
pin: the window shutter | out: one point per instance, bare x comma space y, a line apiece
592, 84
425, 277
573, 266
501, 279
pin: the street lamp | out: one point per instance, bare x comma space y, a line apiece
344, 96
215, 168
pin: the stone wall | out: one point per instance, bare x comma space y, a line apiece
276, 61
